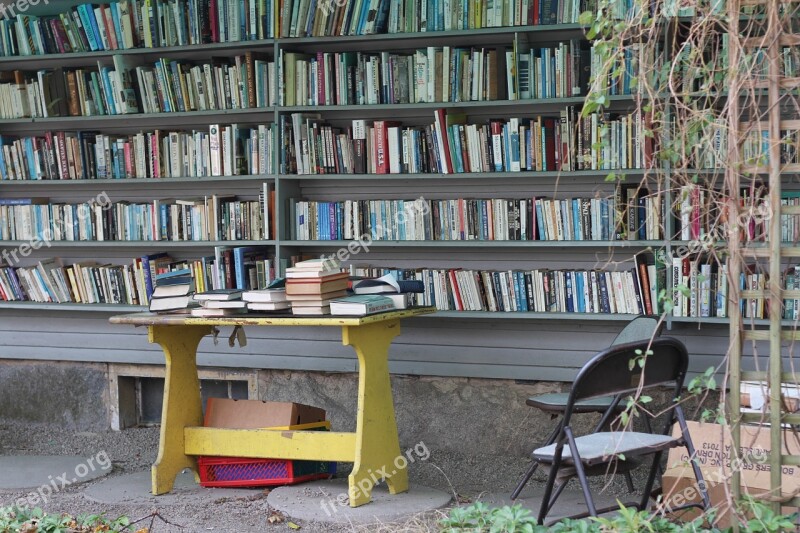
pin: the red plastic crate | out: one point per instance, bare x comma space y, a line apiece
249, 472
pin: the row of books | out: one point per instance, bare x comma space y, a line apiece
127, 24
439, 74
127, 86
701, 215
309, 145
700, 288
242, 268
221, 150
215, 217
434, 74
538, 290
358, 17
571, 219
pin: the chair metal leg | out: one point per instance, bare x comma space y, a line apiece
527, 476
548, 488
587, 494
629, 482
650, 480
557, 493
525, 479
698, 474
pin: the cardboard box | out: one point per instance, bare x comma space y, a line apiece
713, 446
755, 395
255, 414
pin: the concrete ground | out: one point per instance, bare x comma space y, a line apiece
441, 479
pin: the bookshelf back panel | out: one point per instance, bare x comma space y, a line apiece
529, 350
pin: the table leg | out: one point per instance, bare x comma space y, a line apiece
182, 405
377, 445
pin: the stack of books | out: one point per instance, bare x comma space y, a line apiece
312, 284
220, 302
173, 292
266, 300
399, 291
362, 305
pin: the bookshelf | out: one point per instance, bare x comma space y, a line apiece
287, 187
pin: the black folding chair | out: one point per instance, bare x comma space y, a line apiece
611, 373
641, 328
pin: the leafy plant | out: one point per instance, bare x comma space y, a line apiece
480, 518
24, 520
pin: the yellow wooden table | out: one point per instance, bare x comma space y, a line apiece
373, 448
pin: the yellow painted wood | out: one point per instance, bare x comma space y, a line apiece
377, 447
278, 444
374, 447
154, 319
182, 404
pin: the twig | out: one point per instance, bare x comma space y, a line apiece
152, 516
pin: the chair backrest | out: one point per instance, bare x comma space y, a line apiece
641, 328
611, 372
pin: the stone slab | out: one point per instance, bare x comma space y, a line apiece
34, 471
325, 501
134, 489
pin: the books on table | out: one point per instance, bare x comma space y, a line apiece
219, 295
328, 283
173, 292
313, 268
224, 304
269, 306
213, 312
265, 295
310, 285
361, 305
167, 291
312, 310
387, 283
171, 303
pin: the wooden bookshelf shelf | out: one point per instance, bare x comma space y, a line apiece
166, 245
90, 308
481, 244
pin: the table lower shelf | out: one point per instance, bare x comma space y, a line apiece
271, 443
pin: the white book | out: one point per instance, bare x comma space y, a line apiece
215, 145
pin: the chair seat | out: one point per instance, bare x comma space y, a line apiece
600, 447
555, 402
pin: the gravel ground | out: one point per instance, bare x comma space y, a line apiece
133, 450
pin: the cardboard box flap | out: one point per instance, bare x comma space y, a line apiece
256, 414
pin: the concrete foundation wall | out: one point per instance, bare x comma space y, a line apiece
467, 415
74, 395
462, 415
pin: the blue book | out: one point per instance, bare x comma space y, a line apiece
239, 265
117, 25
3, 167
173, 274
86, 12
579, 293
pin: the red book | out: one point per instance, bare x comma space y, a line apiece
108, 22
441, 140
320, 78
550, 143
60, 34
456, 293
214, 23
